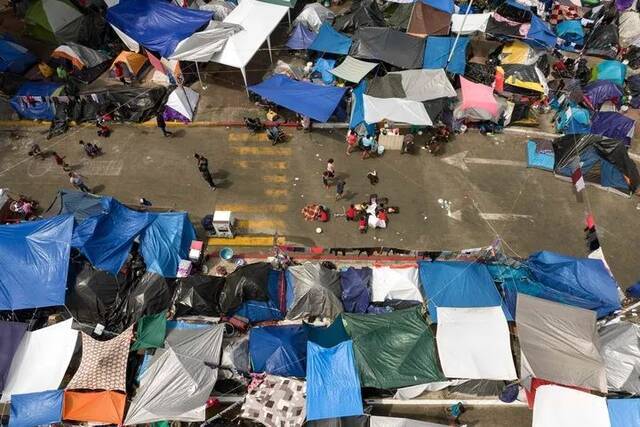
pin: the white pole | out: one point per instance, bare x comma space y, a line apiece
202, 85
269, 45
289, 16
455, 43
244, 76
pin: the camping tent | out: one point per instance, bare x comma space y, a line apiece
132, 63
620, 344
329, 40
430, 18
33, 100
449, 53
13, 57
391, 46
600, 91
313, 16
279, 350
312, 291
54, 21
80, 56
362, 13
478, 102
181, 104
301, 37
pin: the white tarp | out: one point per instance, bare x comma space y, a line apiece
395, 283
258, 20
474, 343
620, 344
202, 45
413, 391
395, 109
559, 343
352, 69
313, 15
41, 360
557, 406
375, 421
474, 22
426, 85
184, 100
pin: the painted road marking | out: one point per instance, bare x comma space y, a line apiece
460, 160
260, 225
504, 217
261, 151
247, 137
259, 164
251, 241
276, 179
102, 168
253, 208
276, 193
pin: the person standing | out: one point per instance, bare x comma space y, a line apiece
340, 189
77, 181
203, 167
331, 168
352, 141
162, 125
325, 179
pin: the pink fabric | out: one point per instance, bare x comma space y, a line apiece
478, 96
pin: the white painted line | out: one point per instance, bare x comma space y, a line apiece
460, 160
504, 217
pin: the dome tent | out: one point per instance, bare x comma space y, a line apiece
54, 21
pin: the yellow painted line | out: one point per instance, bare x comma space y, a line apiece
261, 151
276, 193
247, 137
251, 241
253, 208
255, 164
276, 179
260, 224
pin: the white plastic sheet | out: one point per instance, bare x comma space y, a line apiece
475, 22
375, 421
202, 45
395, 109
41, 360
184, 100
474, 343
395, 283
566, 407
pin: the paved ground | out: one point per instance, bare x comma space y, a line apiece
267, 186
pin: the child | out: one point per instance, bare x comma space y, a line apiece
350, 214
362, 224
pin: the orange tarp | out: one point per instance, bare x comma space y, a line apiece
96, 406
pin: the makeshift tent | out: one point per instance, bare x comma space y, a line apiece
517, 52
395, 283
308, 99
564, 348
624, 412
34, 258
399, 19
181, 105
538, 157
356, 289
13, 57
80, 56
356, 421
33, 100
353, 70
301, 38
540, 35
384, 44
393, 349
99, 407
258, 311
312, 291
562, 406
602, 41
150, 331
202, 45
279, 350
333, 386
276, 401
459, 284
166, 241
574, 120
571, 32
361, 14
614, 71
395, 109
477, 102
133, 103
469, 24
357, 105
524, 79
629, 28
34, 409
178, 381
327, 336
425, 85
429, 18
11, 334
54, 21
600, 91
613, 125
220, 8
329, 40
313, 16
198, 295
158, 26
438, 53
235, 356
603, 161
41, 360
249, 282
474, 343
258, 20
620, 346
323, 68
132, 64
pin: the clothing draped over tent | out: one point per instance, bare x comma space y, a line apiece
385, 44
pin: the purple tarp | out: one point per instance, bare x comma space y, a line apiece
171, 115
613, 125
11, 334
623, 4
601, 91
356, 289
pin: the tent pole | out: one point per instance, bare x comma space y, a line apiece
244, 76
186, 97
269, 45
455, 43
202, 85
289, 16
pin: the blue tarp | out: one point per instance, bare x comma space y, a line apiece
34, 409
613, 125
574, 120
357, 107
624, 412
82, 205
594, 165
323, 66
35, 110
333, 385
540, 35
156, 24
356, 289
540, 160
301, 38
166, 241
331, 41
327, 336
614, 71
279, 350
443, 5
14, 58
459, 284
438, 49
308, 99
34, 259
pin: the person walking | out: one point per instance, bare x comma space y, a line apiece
77, 181
325, 179
352, 141
203, 167
331, 168
340, 189
162, 125
60, 161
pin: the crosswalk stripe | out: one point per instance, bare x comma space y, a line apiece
253, 208
248, 137
276, 193
258, 225
276, 179
260, 164
261, 151
249, 241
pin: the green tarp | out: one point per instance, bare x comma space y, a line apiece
393, 349
151, 331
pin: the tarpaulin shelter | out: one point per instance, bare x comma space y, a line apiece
157, 25
356, 289
202, 45
150, 331
540, 35
574, 120
620, 346
132, 64
524, 79
100, 407
474, 343
258, 311
391, 46
628, 28
438, 53
313, 16
80, 56
91, 294
11, 334
333, 386
329, 40
399, 19
459, 284
133, 103
313, 291
166, 241
357, 106
80, 204
34, 409
564, 348
258, 20
571, 32
395, 283
220, 8
539, 158
469, 24
356, 421
14, 58
301, 37
180, 378
425, 85
603, 161
624, 412
279, 350
235, 356
323, 67
198, 295
600, 91
260, 295
613, 125
517, 52
361, 14
54, 21
477, 102
249, 282
602, 41
614, 71
41, 360
34, 259
352, 69
276, 401
430, 18
393, 349
316, 101
327, 336
562, 406
395, 109
181, 105
33, 100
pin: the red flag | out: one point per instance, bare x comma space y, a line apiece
578, 179
590, 221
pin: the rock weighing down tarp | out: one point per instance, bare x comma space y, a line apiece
313, 291
620, 346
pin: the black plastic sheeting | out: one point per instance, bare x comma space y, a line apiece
129, 104
198, 296
603, 41
363, 13
480, 73
393, 47
248, 282
633, 56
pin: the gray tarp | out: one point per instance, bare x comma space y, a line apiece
391, 46
425, 85
180, 378
389, 86
235, 356
201, 46
316, 291
313, 15
353, 70
621, 350
559, 343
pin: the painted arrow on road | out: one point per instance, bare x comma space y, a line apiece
460, 160
504, 216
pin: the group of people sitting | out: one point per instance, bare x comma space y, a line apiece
374, 213
368, 144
